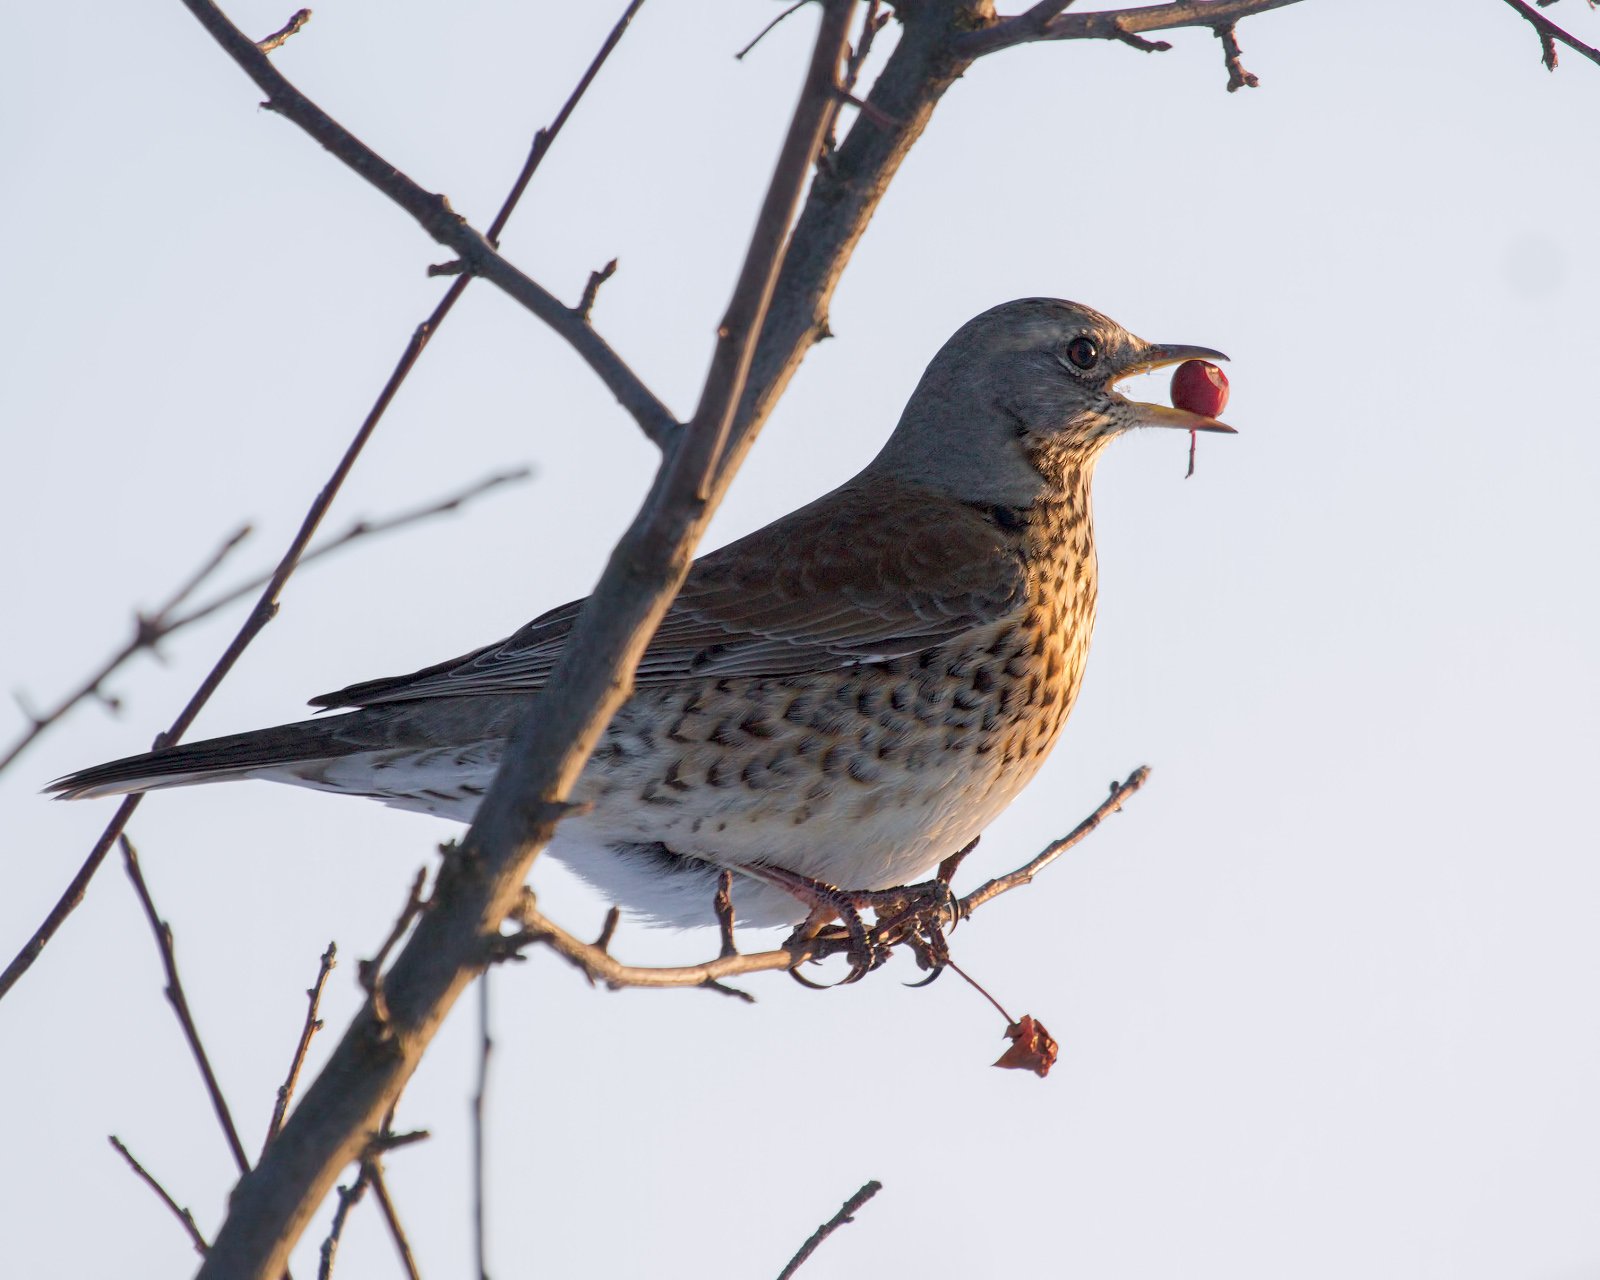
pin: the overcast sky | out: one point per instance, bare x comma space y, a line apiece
1325, 992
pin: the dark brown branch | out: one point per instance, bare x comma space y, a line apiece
151, 629
434, 214
1238, 78
846, 1214
349, 1196
1111, 24
178, 1211
180, 1004
380, 1188
476, 889
276, 40
370, 972
767, 30
309, 1028
1549, 33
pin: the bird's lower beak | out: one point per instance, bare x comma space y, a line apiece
1157, 355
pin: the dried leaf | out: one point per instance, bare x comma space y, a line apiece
1032, 1048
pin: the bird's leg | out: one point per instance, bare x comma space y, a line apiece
827, 903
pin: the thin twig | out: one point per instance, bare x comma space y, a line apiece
275, 41
1120, 791
149, 629
348, 1197
178, 1211
380, 1188
180, 1004
485, 1048
1238, 77
846, 1214
1549, 33
309, 1028
763, 33
152, 628
370, 972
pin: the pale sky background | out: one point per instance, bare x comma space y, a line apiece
1326, 992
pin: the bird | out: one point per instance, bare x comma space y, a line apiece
833, 703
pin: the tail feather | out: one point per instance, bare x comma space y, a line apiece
238, 755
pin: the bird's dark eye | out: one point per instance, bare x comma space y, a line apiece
1082, 352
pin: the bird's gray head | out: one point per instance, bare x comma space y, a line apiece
1021, 400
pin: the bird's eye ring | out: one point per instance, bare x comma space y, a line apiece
1082, 352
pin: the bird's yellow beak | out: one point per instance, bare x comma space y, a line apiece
1157, 355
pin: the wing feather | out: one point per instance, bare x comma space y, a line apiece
861, 575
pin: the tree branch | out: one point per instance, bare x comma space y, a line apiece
846, 1214
149, 630
266, 605
180, 1005
434, 214
1110, 24
309, 1028
1549, 33
178, 1211
479, 884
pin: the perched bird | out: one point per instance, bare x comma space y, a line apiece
842, 698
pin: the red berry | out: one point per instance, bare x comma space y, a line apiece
1199, 387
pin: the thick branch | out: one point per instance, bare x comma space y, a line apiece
482, 881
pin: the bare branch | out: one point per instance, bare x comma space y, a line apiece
477, 888
267, 605
380, 1188
767, 30
434, 214
1549, 33
311, 1026
149, 629
370, 972
178, 1211
348, 1198
1111, 24
1120, 791
276, 40
180, 1005
152, 628
846, 1214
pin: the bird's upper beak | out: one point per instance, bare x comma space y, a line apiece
1156, 355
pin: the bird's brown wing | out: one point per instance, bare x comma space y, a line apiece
860, 575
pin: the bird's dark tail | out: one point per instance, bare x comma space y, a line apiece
282, 752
